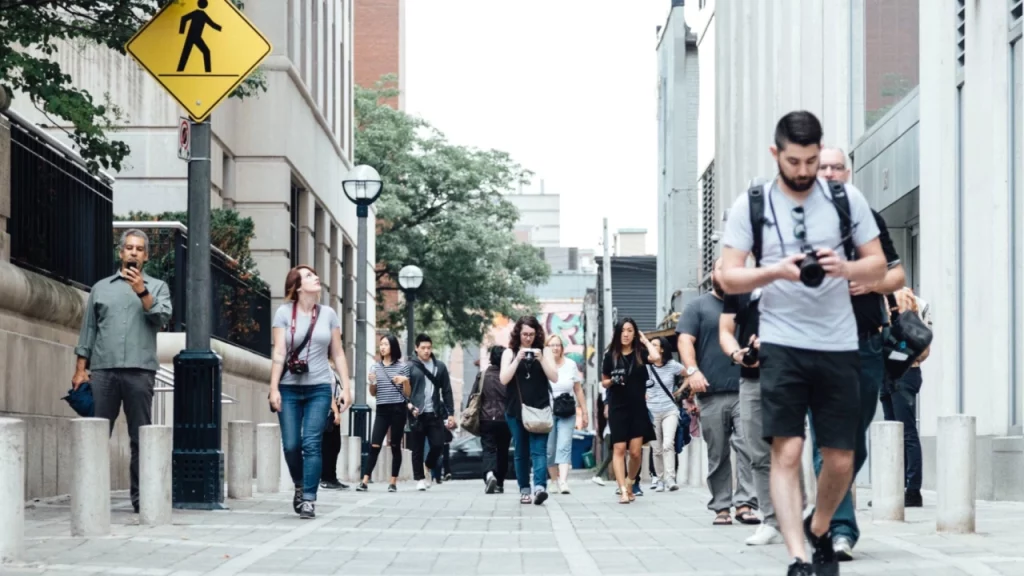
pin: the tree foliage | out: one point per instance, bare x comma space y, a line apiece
443, 209
31, 33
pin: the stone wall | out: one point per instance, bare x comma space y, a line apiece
39, 322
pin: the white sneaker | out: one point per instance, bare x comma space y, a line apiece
598, 480
654, 483
422, 486
563, 486
660, 487
764, 535
673, 486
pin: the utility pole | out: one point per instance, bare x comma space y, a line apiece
606, 282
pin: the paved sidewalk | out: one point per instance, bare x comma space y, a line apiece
455, 529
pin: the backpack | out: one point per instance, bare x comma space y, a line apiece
755, 197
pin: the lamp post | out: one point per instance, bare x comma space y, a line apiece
410, 278
362, 186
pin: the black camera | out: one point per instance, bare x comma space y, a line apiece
297, 367
618, 376
750, 358
811, 272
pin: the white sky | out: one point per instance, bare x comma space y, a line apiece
567, 87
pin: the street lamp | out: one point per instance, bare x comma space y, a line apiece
362, 186
410, 278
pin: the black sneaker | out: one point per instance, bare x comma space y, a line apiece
500, 489
823, 559
332, 485
540, 496
492, 483
448, 477
135, 507
800, 568
912, 499
307, 510
362, 487
297, 500
392, 488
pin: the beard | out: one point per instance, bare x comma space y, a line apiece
802, 185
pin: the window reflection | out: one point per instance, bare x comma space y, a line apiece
890, 55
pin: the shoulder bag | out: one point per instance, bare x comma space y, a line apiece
908, 337
683, 426
535, 420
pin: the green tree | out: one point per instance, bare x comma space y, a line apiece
443, 208
32, 32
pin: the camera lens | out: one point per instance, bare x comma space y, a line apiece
811, 272
750, 357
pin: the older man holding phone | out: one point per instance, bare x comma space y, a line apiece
117, 343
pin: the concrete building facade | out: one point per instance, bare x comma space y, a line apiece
935, 144
678, 195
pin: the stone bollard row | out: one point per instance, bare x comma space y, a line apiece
956, 479
269, 454
12, 489
405, 473
90, 477
240, 457
156, 448
351, 452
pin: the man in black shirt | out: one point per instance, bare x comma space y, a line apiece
868, 305
737, 335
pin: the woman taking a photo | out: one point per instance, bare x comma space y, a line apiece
624, 374
389, 383
307, 341
526, 371
566, 394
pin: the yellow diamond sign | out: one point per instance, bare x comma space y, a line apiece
199, 51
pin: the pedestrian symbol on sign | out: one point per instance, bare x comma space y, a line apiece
196, 21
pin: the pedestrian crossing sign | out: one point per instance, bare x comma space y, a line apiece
199, 51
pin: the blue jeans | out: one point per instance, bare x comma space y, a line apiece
872, 372
559, 449
530, 449
303, 415
899, 403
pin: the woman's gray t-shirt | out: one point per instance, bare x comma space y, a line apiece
316, 352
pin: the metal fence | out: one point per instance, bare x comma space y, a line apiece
60, 213
240, 308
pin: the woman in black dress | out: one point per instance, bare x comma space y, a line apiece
624, 374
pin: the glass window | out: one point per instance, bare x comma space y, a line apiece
890, 55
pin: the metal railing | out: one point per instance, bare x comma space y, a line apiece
60, 213
239, 307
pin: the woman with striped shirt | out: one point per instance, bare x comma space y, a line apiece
389, 383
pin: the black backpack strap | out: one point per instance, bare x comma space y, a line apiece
842, 203
755, 198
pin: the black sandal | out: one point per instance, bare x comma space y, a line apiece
525, 499
723, 519
747, 517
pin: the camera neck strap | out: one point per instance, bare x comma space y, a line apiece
309, 333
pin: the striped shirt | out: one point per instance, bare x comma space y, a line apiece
388, 392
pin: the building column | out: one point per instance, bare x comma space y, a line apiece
5, 188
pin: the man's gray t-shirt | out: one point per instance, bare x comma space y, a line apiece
319, 345
792, 314
428, 386
700, 319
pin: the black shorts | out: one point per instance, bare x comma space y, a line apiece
794, 380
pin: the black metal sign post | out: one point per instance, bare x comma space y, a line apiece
198, 461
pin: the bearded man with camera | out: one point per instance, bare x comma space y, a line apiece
117, 344
808, 355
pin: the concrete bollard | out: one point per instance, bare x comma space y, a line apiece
268, 458
956, 474
12, 486
240, 459
405, 474
353, 452
887, 472
90, 477
156, 445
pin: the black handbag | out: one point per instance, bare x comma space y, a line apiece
908, 337
564, 405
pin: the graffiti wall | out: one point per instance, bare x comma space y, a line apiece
564, 318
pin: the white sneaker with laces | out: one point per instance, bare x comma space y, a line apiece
563, 486
764, 535
660, 487
843, 548
598, 480
654, 483
422, 486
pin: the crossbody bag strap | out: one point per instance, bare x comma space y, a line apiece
662, 384
309, 333
378, 368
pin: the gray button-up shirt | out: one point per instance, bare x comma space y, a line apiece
116, 331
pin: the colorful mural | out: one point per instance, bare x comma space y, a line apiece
564, 318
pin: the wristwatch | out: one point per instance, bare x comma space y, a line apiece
690, 371
143, 294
